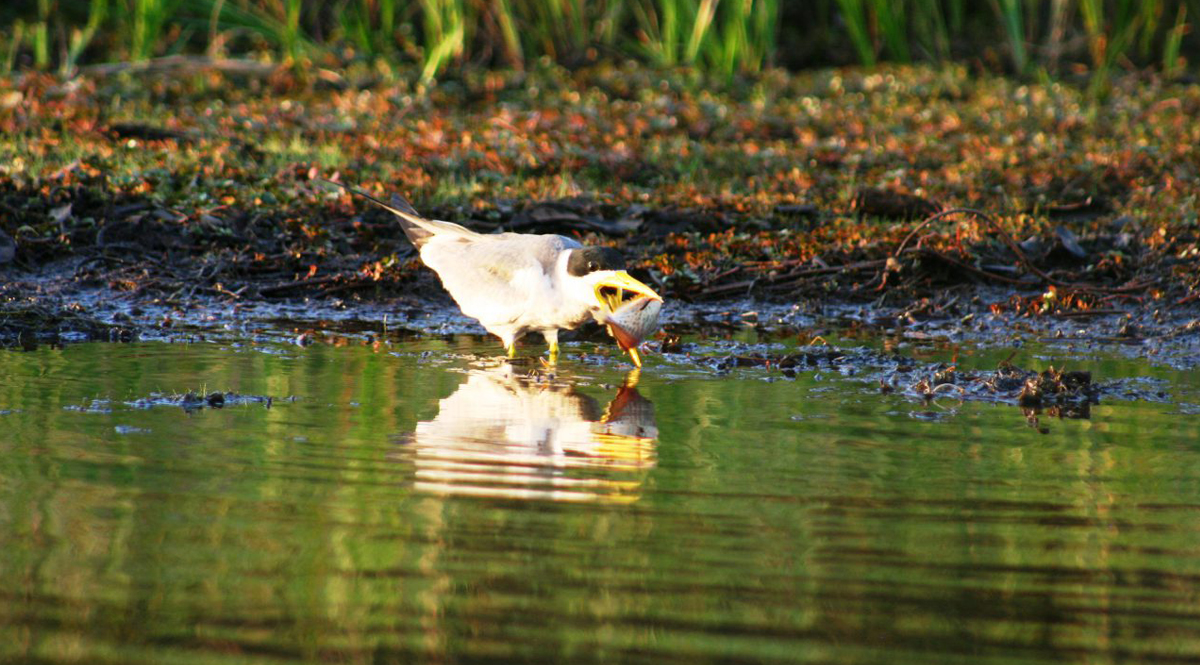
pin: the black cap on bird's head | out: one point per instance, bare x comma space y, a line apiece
587, 260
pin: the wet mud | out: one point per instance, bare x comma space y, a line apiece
744, 338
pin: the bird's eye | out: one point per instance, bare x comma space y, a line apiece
593, 266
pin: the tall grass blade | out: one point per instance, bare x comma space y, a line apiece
507, 23
444, 35
1149, 16
387, 23
1171, 64
701, 22
149, 18
1109, 39
1010, 14
215, 39
669, 29
743, 37
854, 16
81, 38
930, 29
890, 17
14, 46
956, 12
41, 36
269, 21
1056, 33
291, 30
728, 46
670, 25
609, 22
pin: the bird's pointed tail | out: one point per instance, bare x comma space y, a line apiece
411, 221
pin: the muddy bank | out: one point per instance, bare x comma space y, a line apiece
883, 345
55, 309
137, 246
892, 351
906, 202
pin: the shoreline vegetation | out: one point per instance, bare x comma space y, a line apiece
191, 174
721, 38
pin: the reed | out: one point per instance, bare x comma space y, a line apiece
563, 30
1171, 64
854, 15
723, 37
291, 29
16, 39
369, 25
445, 33
1113, 31
893, 30
276, 21
149, 19
931, 31
744, 40
1012, 17
506, 22
41, 35
81, 38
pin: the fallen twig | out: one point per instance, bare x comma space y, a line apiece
309, 281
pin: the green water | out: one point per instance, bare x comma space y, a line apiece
421, 503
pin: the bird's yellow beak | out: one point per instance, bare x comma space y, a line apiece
618, 288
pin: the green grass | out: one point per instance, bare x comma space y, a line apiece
722, 37
149, 19
1012, 17
1170, 57
855, 15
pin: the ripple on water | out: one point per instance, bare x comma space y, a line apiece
426, 503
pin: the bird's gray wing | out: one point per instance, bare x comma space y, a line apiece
496, 278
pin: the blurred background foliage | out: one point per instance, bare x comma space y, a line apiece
720, 37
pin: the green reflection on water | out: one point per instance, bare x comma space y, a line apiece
735, 519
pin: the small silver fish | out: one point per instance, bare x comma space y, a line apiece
633, 322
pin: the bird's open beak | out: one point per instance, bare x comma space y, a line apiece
613, 292
620, 287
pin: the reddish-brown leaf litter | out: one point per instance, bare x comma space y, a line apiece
908, 188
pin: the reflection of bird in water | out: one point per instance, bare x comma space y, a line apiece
517, 436
515, 283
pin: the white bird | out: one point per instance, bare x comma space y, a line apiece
516, 283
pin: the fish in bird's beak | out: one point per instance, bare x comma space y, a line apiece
629, 308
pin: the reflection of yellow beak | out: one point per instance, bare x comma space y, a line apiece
631, 379
611, 291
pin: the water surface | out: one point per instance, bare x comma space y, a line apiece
424, 502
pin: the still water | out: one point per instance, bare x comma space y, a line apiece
424, 502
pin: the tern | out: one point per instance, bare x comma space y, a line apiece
517, 283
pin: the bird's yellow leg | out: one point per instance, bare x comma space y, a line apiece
634, 356
511, 349
553, 352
